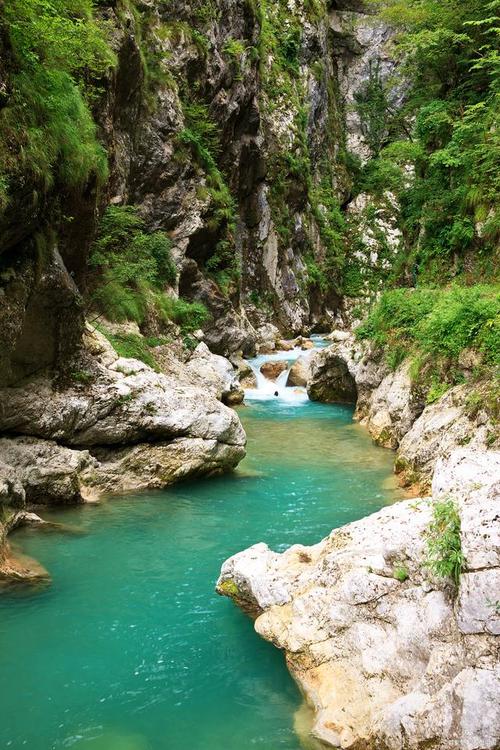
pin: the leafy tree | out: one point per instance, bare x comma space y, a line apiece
450, 197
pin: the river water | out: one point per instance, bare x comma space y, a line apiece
130, 648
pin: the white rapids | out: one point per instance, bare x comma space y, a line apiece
267, 389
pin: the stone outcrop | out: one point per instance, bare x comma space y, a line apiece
384, 653
300, 372
34, 471
117, 427
393, 408
121, 408
266, 223
216, 373
442, 427
330, 380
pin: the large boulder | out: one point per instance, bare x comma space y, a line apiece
126, 421
301, 371
383, 655
331, 381
217, 373
127, 403
272, 370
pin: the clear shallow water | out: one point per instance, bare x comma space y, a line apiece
130, 649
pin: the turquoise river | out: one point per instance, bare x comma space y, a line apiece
129, 648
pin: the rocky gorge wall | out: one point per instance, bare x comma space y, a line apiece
226, 125
394, 407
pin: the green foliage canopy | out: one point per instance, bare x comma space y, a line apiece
59, 50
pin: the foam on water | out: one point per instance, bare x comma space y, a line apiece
268, 390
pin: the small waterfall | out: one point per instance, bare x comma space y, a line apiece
266, 389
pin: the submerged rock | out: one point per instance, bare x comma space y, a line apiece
246, 375
378, 647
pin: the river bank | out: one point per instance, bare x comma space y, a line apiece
387, 653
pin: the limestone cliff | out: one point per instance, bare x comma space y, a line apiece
227, 125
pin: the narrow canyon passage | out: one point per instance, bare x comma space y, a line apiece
130, 648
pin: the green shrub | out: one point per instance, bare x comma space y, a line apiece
437, 321
130, 346
436, 391
396, 314
202, 136
189, 316
433, 327
131, 264
82, 376
444, 548
449, 198
234, 48
462, 317
400, 573
46, 128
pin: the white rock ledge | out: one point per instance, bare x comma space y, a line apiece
386, 664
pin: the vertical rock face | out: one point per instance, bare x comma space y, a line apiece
249, 216
226, 124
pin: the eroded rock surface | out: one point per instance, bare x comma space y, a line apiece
301, 370
383, 653
117, 426
393, 408
217, 373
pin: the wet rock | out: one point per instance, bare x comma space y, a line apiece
304, 343
285, 346
272, 370
330, 380
246, 375
216, 373
20, 570
301, 371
